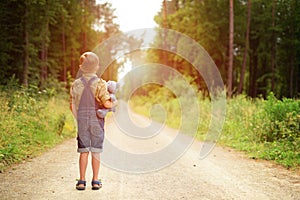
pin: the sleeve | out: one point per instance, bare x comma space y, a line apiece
102, 95
71, 95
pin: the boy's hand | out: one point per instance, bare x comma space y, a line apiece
108, 104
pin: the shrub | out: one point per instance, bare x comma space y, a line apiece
275, 124
284, 119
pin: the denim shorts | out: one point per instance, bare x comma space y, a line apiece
90, 134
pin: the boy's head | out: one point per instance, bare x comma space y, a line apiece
89, 62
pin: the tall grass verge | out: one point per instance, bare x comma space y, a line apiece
30, 123
264, 129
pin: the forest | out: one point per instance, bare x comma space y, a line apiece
41, 40
254, 43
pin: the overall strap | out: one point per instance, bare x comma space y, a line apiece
87, 100
85, 83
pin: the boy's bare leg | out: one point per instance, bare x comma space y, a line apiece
95, 165
83, 161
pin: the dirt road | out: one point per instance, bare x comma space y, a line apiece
224, 174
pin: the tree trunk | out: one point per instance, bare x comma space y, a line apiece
26, 49
243, 70
273, 47
291, 75
293, 52
297, 55
230, 63
42, 70
44, 57
252, 72
84, 38
63, 37
73, 64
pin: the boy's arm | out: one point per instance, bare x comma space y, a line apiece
73, 109
72, 103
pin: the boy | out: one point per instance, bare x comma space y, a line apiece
83, 105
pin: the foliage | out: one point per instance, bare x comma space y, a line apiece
274, 44
276, 126
41, 40
30, 123
266, 129
283, 152
284, 119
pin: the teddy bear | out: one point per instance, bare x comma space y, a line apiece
112, 87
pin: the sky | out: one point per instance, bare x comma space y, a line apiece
135, 14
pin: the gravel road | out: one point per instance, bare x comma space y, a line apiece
224, 174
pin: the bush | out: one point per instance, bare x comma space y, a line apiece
284, 119
276, 126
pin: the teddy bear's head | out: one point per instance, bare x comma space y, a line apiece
112, 87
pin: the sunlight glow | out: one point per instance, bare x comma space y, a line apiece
135, 14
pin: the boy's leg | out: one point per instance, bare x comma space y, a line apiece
97, 138
95, 165
83, 161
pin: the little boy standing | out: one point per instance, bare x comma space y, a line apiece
83, 105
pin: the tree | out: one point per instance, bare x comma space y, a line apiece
26, 46
42, 39
273, 48
204, 21
230, 59
244, 63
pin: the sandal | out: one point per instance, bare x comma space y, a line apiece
96, 185
80, 182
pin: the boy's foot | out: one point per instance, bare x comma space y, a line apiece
96, 184
80, 185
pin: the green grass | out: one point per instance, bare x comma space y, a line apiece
264, 129
29, 125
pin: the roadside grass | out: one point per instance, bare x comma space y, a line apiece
264, 129
31, 124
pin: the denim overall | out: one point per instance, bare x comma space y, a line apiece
90, 128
